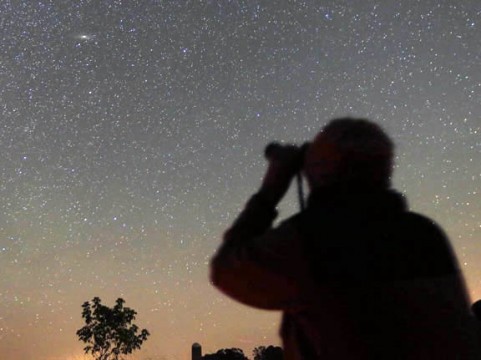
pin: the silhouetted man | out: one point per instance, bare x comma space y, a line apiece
356, 274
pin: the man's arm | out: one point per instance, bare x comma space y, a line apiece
256, 264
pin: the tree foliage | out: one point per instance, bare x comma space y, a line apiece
108, 332
226, 354
268, 353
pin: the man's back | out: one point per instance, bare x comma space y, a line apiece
386, 283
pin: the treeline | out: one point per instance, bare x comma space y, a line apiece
259, 353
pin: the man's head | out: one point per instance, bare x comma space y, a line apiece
352, 153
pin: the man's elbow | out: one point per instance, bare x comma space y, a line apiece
214, 272
222, 273
239, 284
226, 277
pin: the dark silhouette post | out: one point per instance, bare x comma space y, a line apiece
196, 351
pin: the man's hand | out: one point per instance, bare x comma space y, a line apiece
284, 162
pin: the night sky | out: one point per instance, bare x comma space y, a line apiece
132, 134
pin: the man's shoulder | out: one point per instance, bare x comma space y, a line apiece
423, 224
428, 238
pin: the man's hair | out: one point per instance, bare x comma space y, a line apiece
362, 150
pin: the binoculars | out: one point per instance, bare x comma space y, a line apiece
277, 151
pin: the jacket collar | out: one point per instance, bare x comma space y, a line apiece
358, 199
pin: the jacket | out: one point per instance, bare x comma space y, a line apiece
356, 275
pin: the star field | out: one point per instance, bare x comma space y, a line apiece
132, 133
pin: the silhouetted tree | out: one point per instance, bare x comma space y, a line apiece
268, 353
108, 332
226, 354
